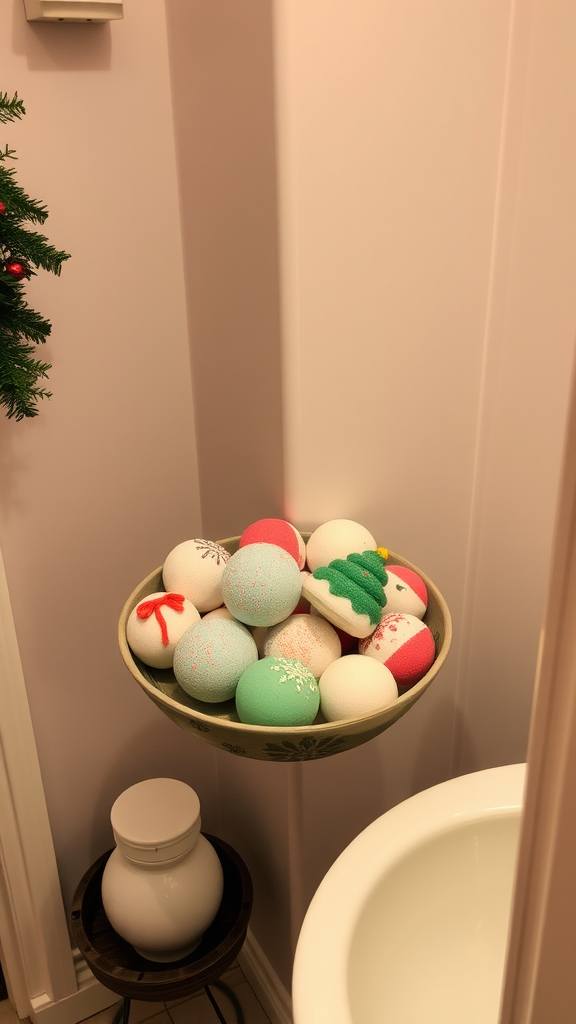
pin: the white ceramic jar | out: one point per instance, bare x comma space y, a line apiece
162, 885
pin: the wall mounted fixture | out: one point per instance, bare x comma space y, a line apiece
73, 10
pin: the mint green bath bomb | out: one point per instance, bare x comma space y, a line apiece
211, 656
261, 584
277, 691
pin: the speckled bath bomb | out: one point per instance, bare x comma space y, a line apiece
404, 644
158, 618
355, 686
194, 568
261, 584
211, 657
276, 531
308, 638
405, 591
277, 691
337, 538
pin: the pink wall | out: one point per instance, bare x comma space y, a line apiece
103, 482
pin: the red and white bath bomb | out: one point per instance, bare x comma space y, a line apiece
194, 568
405, 591
337, 538
404, 644
276, 531
355, 686
308, 638
155, 626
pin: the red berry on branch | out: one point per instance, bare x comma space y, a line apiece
16, 269
2, 208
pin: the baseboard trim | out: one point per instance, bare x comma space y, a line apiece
90, 997
265, 982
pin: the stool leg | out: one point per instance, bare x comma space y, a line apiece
215, 1006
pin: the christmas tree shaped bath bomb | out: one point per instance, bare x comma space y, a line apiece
350, 591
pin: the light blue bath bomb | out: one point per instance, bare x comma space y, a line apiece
261, 584
277, 691
211, 656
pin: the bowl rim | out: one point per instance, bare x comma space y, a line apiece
342, 726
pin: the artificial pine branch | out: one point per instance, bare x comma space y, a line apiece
20, 251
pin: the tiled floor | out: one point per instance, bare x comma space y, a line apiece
194, 1010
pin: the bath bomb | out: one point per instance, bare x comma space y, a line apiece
308, 638
337, 538
261, 584
276, 531
355, 686
220, 613
194, 568
404, 644
349, 591
210, 658
155, 626
347, 642
277, 691
405, 591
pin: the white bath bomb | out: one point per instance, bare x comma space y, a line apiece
219, 613
355, 686
155, 626
194, 568
405, 591
337, 538
210, 658
308, 638
402, 643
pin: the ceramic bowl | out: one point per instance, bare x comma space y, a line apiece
218, 724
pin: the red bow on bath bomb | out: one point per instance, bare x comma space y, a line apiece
145, 610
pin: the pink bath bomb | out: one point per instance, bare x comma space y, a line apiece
405, 591
276, 531
402, 643
308, 638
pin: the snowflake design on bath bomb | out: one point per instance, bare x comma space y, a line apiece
210, 549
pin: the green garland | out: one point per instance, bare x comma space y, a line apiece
21, 250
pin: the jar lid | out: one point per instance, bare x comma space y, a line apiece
156, 820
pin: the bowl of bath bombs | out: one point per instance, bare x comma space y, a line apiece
218, 724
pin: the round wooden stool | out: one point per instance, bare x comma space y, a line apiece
117, 965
